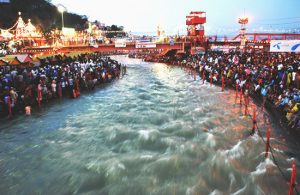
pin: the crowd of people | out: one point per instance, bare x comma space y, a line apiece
273, 76
9, 47
21, 88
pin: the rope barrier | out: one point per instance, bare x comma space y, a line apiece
275, 160
269, 148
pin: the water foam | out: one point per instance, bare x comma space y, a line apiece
114, 169
262, 167
236, 151
146, 157
210, 140
144, 134
232, 180
216, 192
240, 191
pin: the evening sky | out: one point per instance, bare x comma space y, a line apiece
222, 15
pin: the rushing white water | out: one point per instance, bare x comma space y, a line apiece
155, 131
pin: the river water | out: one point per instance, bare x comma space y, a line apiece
154, 131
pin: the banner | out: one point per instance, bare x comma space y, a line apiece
285, 46
224, 48
68, 32
145, 45
172, 42
197, 50
120, 43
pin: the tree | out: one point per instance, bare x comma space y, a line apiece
42, 13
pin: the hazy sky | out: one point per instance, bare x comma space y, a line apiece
145, 15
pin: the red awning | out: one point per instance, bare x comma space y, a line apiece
15, 62
3, 62
24, 58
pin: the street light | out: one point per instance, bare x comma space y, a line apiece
61, 9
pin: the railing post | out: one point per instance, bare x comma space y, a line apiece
9, 107
268, 139
253, 120
241, 96
39, 97
293, 178
223, 83
236, 91
246, 103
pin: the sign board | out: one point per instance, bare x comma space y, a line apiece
243, 42
120, 43
145, 45
172, 42
69, 32
197, 50
225, 48
285, 46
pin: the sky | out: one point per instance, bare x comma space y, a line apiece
222, 15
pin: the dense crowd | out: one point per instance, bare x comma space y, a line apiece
8, 48
4, 50
58, 76
274, 77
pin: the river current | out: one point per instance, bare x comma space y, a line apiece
154, 131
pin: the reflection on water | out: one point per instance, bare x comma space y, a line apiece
155, 131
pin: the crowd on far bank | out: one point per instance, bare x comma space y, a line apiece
22, 88
273, 77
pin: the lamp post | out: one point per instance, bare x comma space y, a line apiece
243, 21
61, 9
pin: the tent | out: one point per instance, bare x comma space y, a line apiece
15, 62
24, 58
5, 35
3, 62
36, 61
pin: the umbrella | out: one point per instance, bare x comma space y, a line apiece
248, 71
